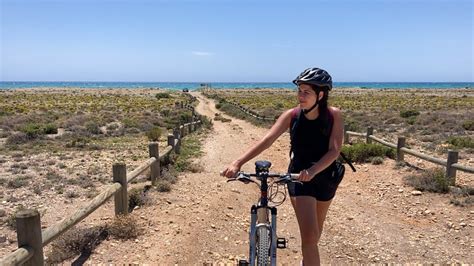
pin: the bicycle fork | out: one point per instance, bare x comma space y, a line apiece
258, 218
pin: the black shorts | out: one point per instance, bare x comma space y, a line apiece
323, 186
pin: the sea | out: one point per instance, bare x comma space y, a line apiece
7, 85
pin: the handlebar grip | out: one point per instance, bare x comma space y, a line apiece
294, 176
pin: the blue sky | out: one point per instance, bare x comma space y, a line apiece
235, 41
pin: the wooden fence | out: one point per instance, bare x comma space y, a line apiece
451, 163
31, 239
247, 111
251, 113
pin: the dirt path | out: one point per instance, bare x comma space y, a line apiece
373, 218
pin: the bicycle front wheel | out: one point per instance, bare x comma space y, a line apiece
263, 246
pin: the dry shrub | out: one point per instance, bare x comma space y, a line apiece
195, 168
17, 138
163, 186
169, 175
138, 197
124, 227
433, 180
76, 241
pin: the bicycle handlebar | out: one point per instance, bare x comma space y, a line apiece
281, 178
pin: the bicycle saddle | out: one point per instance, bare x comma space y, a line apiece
262, 166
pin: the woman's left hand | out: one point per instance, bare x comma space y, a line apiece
305, 176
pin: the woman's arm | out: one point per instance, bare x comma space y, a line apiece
335, 145
281, 125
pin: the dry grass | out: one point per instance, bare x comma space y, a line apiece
432, 180
76, 241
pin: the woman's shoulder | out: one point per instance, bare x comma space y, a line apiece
334, 111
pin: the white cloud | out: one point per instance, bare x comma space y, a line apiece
200, 53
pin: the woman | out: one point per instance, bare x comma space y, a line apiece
316, 140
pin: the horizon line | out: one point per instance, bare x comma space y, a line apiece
210, 82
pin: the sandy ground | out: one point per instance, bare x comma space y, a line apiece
374, 217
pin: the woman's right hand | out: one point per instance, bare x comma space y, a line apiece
231, 171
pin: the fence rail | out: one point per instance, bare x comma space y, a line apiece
451, 163
31, 239
251, 113
246, 110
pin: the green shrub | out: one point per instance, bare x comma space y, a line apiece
411, 120
130, 123
50, 129
408, 113
92, 127
461, 142
468, 125
433, 180
162, 95
363, 152
185, 117
32, 130
218, 105
154, 134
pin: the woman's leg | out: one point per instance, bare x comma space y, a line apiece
310, 214
322, 209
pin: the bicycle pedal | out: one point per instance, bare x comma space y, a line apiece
281, 242
243, 263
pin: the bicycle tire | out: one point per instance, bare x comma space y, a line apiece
263, 246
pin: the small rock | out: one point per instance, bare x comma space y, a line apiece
350, 218
462, 224
2, 212
416, 193
400, 190
3, 239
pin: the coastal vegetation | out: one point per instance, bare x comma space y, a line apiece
62, 143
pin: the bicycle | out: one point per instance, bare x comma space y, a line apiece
263, 240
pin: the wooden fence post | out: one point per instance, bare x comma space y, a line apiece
121, 197
171, 140
182, 130
370, 131
28, 232
450, 170
346, 136
155, 167
400, 145
177, 136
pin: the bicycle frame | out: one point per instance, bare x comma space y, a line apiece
259, 218
263, 240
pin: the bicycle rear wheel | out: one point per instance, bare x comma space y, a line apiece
263, 246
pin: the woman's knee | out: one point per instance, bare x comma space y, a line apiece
310, 238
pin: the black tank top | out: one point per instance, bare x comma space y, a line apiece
310, 141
